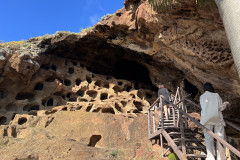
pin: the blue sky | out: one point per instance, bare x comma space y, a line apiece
23, 19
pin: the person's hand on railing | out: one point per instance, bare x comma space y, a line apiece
227, 103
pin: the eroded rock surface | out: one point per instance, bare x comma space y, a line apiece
76, 135
47, 84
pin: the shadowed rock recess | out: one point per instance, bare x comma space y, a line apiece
48, 84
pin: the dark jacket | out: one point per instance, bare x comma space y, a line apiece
164, 92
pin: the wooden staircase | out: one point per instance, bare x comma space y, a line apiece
186, 142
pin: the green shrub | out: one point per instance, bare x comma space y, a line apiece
114, 153
172, 156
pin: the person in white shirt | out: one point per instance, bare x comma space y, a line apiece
212, 118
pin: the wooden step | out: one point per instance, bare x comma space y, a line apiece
194, 147
187, 140
179, 133
196, 155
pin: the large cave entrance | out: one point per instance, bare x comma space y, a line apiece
124, 69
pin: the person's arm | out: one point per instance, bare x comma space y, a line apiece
169, 96
221, 106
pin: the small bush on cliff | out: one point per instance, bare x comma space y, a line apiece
172, 156
107, 15
85, 30
114, 153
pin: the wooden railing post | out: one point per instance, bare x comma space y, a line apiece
185, 118
154, 127
162, 124
221, 150
174, 118
184, 152
149, 122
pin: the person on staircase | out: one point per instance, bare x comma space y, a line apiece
212, 118
162, 91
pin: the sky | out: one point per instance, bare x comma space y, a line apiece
23, 19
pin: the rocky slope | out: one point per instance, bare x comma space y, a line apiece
113, 69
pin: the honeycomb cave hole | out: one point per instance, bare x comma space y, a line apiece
67, 82
94, 139
38, 87
25, 95
92, 93
50, 102
3, 120
189, 88
103, 96
78, 81
22, 120
108, 110
29, 108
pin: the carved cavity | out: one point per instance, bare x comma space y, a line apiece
22, 120
45, 66
138, 105
106, 85
92, 93
89, 79
74, 63
80, 93
149, 95
97, 109
50, 102
128, 88
116, 89
108, 110
29, 108
68, 95
103, 96
124, 103
50, 112
89, 108
70, 70
67, 82
98, 83
93, 140
78, 81
120, 83
38, 86
118, 107
25, 95
3, 120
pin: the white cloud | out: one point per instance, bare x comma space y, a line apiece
94, 19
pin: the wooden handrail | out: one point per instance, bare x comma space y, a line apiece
226, 121
181, 111
234, 150
154, 103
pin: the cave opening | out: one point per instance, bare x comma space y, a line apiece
133, 71
190, 89
123, 68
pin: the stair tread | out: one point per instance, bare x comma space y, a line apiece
196, 155
194, 147
187, 139
180, 133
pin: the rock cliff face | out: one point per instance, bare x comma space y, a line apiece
112, 68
